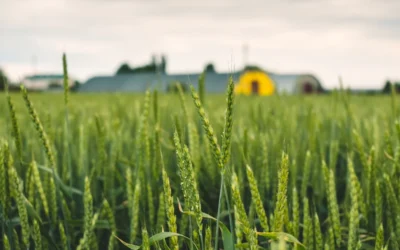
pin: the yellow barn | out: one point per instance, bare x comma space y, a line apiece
255, 82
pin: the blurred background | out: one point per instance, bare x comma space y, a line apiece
358, 41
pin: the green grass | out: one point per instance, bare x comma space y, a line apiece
120, 144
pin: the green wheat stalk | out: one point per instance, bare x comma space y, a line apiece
331, 237
296, 213
39, 186
5, 165
379, 240
265, 180
208, 244
333, 207
238, 226
257, 199
194, 145
183, 102
308, 227
108, 213
135, 211
16, 240
317, 232
39, 128
53, 200
188, 182
16, 192
281, 199
243, 220
145, 240
63, 236
15, 127
66, 120
378, 205
169, 204
306, 174
37, 238
161, 212
88, 217
227, 133
6, 243
66, 85
354, 195
208, 129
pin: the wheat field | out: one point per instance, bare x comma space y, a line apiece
199, 171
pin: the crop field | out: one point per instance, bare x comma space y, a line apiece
199, 171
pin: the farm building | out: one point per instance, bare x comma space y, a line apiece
215, 83
46, 82
255, 82
297, 83
262, 83
249, 82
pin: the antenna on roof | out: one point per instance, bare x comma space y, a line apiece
245, 54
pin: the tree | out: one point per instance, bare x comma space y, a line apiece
3, 80
252, 67
388, 87
76, 86
210, 68
124, 69
163, 64
153, 60
152, 67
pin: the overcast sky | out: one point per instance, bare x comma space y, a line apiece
358, 40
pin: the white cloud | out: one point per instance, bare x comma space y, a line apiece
358, 39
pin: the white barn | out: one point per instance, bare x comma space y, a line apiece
46, 82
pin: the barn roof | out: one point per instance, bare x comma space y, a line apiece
215, 82
289, 82
284, 83
141, 81
51, 76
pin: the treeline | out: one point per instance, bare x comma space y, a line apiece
159, 65
155, 66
